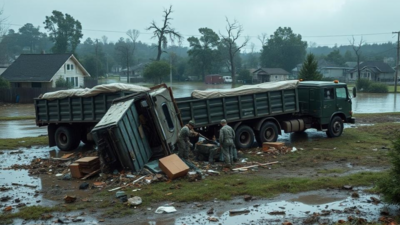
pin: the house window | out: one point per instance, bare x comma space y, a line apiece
36, 85
276, 77
72, 66
68, 67
351, 75
76, 82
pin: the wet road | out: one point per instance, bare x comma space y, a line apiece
20, 128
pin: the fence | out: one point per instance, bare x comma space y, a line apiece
23, 95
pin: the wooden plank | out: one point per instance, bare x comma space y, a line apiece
260, 164
90, 174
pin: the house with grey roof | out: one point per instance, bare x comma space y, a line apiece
263, 75
43, 70
374, 71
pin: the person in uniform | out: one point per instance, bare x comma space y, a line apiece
226, 139
184, 141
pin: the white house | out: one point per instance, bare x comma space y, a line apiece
43, 70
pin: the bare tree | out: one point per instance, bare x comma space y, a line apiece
357, 51
133, 35
263, 39
162, 33
234, 31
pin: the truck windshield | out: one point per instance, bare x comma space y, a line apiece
168, 116
341, 93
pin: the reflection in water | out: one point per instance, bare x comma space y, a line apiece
21, 128
376, 103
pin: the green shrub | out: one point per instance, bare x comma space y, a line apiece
389, 185
363, 85
4, 82
378, 88
61, 82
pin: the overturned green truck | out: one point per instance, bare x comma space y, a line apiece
256, 112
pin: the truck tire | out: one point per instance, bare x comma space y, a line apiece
67, 139
244, 137
268, 133
335, 128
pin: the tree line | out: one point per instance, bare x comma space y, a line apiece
210, 52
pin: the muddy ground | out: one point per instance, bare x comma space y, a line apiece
315, 158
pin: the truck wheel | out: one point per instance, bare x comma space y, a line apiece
335, 128
66, 138
268, 133
244, 137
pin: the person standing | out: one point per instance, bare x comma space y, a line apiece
184, 141
226, 139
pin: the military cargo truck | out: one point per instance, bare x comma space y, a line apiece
256, 112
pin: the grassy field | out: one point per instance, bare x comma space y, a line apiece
17, 118
26, 142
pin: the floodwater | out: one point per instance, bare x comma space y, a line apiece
376, 103
21, 128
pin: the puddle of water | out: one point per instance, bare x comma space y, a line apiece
21, 128
14, 180
331, 205
316, 199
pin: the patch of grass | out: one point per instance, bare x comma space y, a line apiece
28, 213
15, 143
17, 118
241, 184
335, 170
371, 115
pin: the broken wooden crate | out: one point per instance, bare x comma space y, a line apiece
85, 165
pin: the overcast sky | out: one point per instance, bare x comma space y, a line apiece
326, 22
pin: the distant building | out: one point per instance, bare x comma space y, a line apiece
332, 70
374, 71
43, 70
263, 75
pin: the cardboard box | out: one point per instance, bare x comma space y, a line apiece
75, 172
173, 166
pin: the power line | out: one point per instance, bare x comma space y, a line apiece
198, 35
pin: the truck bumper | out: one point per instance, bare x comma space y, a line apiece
351, 120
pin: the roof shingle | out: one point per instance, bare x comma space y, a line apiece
35, 67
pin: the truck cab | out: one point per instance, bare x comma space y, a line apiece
328, 103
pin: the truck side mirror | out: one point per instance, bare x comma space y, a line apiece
354, 92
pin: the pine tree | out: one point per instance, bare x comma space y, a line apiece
309, 70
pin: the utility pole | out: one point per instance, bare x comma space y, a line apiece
397, 61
